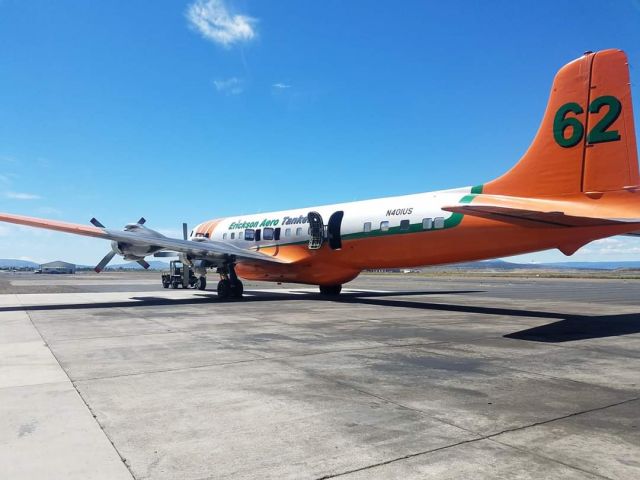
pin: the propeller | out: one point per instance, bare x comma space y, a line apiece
109, 256
143, 263
185, 231
103, 263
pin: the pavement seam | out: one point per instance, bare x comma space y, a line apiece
551, 459
34, 384
490, 437
302, 355
248, 360
75, 387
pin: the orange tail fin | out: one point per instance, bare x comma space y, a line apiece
586, 142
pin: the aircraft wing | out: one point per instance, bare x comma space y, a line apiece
147, 238
529, 212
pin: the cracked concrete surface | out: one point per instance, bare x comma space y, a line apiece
402, 377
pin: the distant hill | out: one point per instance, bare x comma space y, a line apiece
481, 265
489, 264
504, 265
155, 265
13, 263
595, 265
22, 264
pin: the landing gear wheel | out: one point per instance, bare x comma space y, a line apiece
237, 289
332, 290
165, 284
224, 289
174, 285
201, 283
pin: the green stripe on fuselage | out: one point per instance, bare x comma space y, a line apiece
450, 222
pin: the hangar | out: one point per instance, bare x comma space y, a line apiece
57, 267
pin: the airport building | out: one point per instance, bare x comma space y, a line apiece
57, 267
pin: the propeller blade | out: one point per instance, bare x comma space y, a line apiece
143, 264
184, 231
96, 223
165, 254
141, 221
103, 263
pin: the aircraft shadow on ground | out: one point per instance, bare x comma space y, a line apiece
569, 327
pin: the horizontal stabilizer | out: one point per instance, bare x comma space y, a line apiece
528, 212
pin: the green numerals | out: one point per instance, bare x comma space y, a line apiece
561, 123
598, 134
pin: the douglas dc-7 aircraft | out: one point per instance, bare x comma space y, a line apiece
577, 182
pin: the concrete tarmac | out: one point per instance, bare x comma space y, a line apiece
402, 376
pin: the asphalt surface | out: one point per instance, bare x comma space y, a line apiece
402, 376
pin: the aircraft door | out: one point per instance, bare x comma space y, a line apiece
333, 230
316, 230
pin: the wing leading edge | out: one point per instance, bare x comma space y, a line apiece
197, 249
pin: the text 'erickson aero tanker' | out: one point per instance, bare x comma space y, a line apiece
577, 182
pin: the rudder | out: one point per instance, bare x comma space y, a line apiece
586, 141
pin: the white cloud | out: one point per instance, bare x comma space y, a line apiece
214, 22
281, 86
11, 230
22, 196
49, 211
230, 86
612, 246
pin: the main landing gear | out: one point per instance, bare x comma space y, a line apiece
229, 285
330, 290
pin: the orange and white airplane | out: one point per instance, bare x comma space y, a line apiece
577, 182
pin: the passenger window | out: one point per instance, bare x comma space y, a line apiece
224, 236
287, 232
427, 224
267, 234
233, 235
405, 225
367, 227
438, 222
249, 234
298, 231
384, 226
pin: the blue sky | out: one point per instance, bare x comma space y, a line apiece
189, 110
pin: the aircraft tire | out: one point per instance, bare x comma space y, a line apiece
237, 289
331, 290
224, 289
201, 283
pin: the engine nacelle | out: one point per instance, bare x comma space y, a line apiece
133, 252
